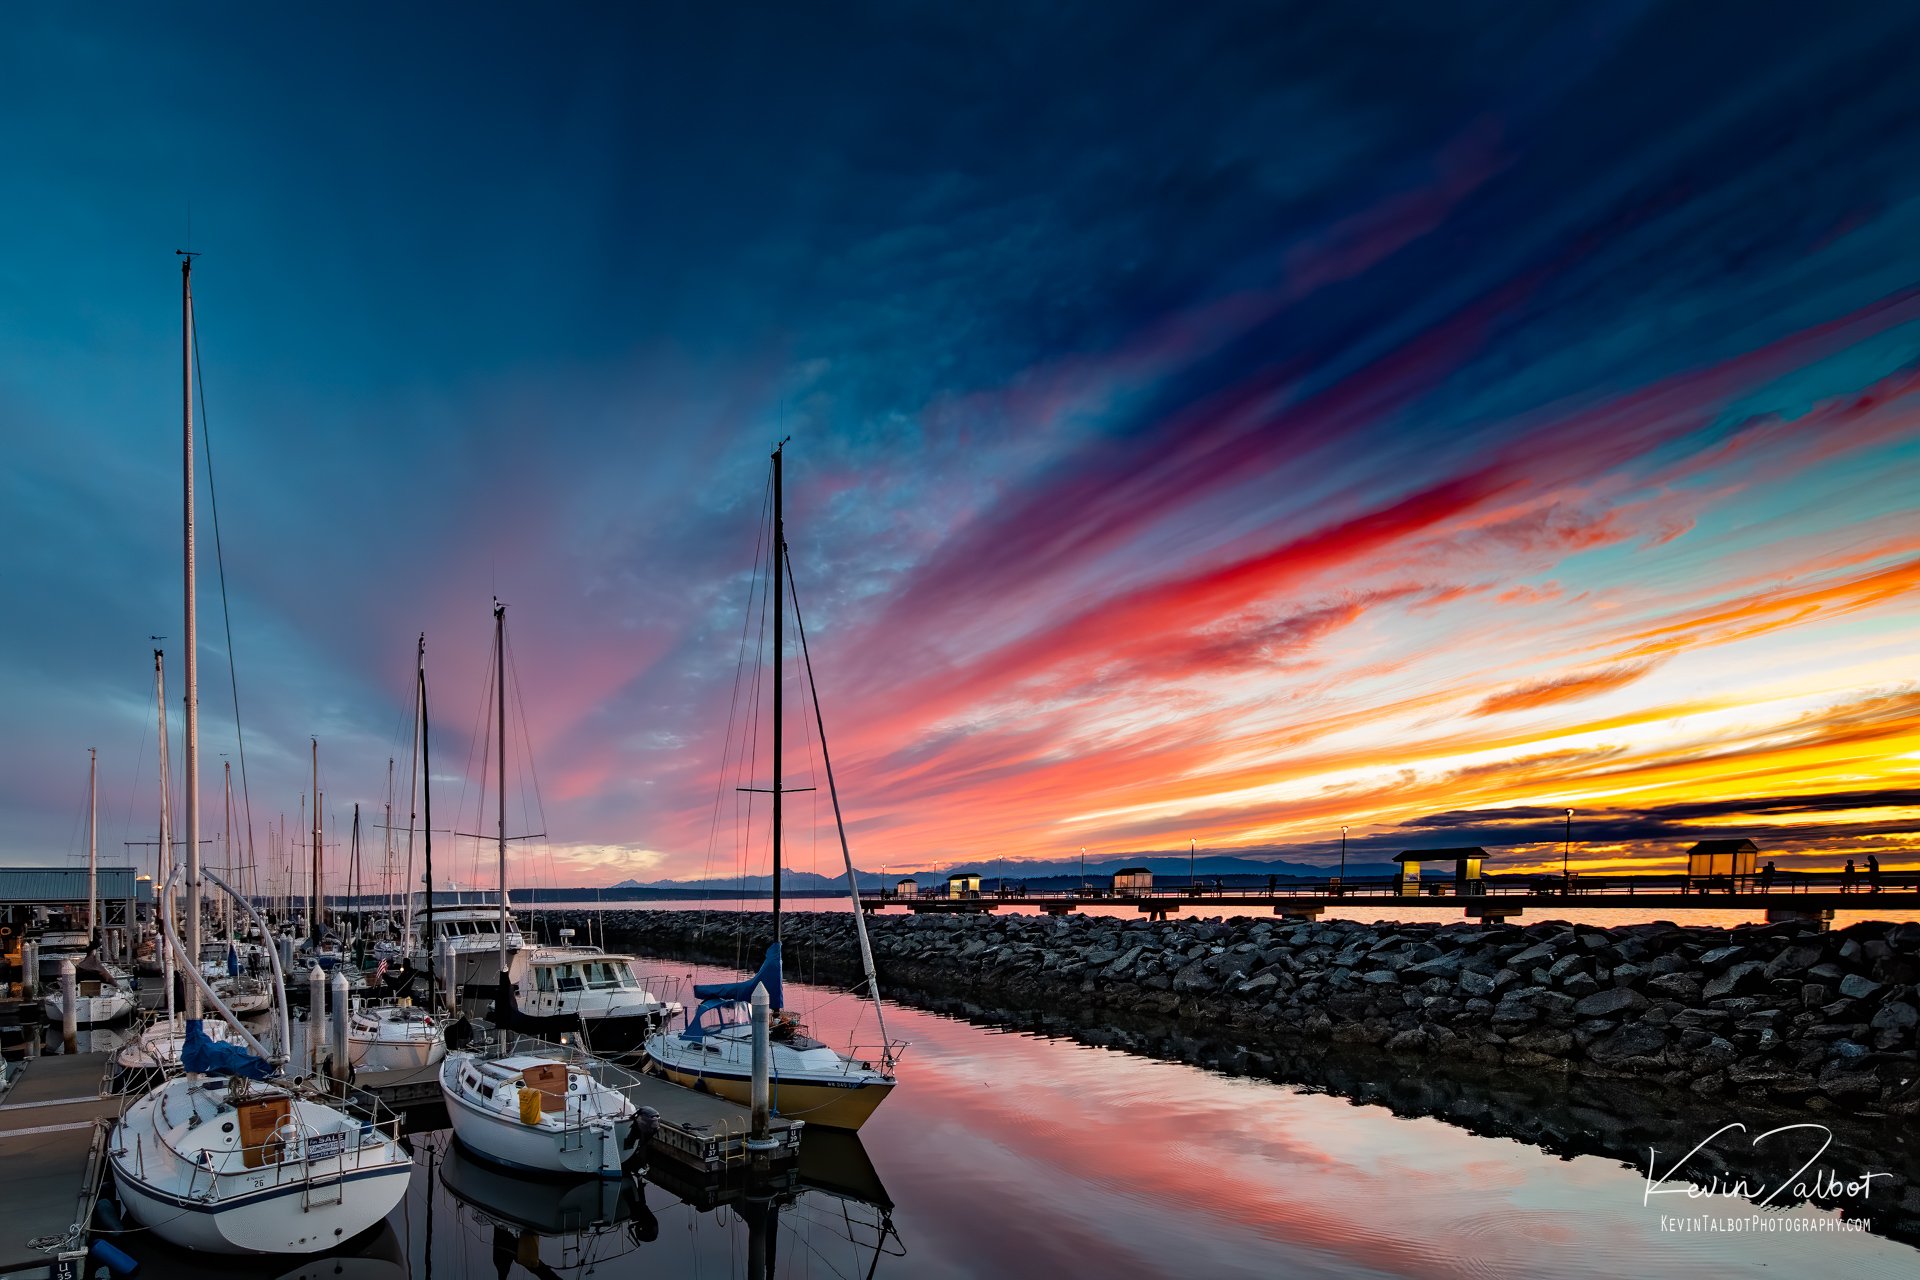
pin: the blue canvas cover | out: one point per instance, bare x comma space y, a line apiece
203, 1055
715, 996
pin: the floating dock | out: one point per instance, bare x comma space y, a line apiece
53, 1133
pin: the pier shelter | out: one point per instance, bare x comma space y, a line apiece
1132, 880
963, 884
1466, 862
908, 888
1722, 860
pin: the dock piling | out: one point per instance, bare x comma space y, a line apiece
762, 1069
339, 1018
69, 1009
316, 1018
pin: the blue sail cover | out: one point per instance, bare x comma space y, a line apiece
205, 1056
769, 976
717, 997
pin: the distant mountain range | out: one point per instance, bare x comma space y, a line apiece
1056, 873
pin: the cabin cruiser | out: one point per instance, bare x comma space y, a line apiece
467, 933
393, 1037
535, 1106
568, 988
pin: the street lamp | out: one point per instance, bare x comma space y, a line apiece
1193, 843
1566, 848
1083, 868
1343, 857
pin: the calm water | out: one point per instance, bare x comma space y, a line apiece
1007, 1154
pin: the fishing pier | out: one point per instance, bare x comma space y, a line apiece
1799, 897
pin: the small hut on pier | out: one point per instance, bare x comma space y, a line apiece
1132, 880
908, 888
1722, 859
963, 884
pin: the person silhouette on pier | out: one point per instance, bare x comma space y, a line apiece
1847, 878
1873, 873
1766, 877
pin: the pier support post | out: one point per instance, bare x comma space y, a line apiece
1287, 911
339, 1015
69, 1008
1491, 912
316, 1018
1821, 916
760, 1138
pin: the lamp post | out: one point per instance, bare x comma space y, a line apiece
1193, 844
1343, 857
1083, 868
1566, 848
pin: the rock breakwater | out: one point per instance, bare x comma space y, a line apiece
1782, 1012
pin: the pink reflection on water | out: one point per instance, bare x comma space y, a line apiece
1015, 1155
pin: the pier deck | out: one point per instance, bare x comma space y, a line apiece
1797, 896
51, 1141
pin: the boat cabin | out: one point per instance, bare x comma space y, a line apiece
588, 971
1722, 859
963, 884
1132, 880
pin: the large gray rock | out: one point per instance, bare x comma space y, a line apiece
1676, 986
1857, 986
1746, 976
1476, 984
1611, 1003
1629, 1042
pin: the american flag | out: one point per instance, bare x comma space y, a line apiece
380, 972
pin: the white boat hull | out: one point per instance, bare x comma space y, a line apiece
276, 1224
90, 1011
178, 1165
394, 1055
597, 1146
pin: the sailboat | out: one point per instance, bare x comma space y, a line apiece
225, 1158
532, 1107
812, 1081
98, 996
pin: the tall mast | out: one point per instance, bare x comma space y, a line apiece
163, 871
226, 838
314, 922
93, 844
192, 731
500, 697
426, 807
292, 875
779, 669
386, 861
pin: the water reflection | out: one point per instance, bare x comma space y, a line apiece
1012, 1154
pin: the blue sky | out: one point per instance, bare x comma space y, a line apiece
1200, 415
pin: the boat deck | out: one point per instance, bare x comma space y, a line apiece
52, 1145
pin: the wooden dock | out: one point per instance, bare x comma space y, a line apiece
53, 1130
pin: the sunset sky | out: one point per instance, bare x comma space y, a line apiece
1218, 423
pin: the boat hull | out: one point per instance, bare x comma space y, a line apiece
279, 1223
91, 1011
597, 1149
394, 1055
830, 1104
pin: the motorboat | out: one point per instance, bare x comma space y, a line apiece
393, 1037
603, 995
467, 940
538, 1107
95, 1004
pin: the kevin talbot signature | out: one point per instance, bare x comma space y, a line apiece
1822, 1184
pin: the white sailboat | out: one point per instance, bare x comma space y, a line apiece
532, 1107
222, 1158
812, 1081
